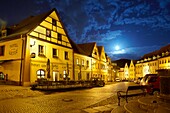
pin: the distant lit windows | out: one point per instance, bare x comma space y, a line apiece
40, 50
64, 74
54, 22
40, 73
48, 33
2, 50
66, 55
59, 37
55, 53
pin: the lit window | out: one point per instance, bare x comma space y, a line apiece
48, 33
77, 61
64, 74
59, 37
54, 22
83, 62
66, 55
55, 53
40, 73
2, 50
41, 50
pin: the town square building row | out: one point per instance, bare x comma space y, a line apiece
149, 64
39, 47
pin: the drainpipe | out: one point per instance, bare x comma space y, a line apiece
73, 67
20, 78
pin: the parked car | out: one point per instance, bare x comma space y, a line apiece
117, 79
143, 80
138, 80
2, 76
98, 82
153, 83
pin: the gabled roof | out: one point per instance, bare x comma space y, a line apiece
157, 52
27, 24
76, 48
87, 47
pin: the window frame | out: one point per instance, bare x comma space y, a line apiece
54, 22
41, 50
56, 51
2, 50
59, 37
66, 55
48, 32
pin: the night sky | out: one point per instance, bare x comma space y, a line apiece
126, 28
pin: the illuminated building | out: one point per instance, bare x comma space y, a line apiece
151, 62
39, 47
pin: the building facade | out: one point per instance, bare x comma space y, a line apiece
39, 47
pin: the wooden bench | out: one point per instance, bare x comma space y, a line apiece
130, 92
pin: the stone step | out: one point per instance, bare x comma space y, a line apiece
134, 107
118, 109
148, 103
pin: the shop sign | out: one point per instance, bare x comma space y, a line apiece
38, 65
13, 49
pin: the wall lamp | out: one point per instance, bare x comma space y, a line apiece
32, 43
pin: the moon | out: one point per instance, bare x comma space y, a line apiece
117, 47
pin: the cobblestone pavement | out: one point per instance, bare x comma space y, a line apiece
17, 99
9, 92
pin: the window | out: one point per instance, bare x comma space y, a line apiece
83, 62
40, 50
66, 55
95, 53
87, 63
54, 22
40, 73
55, 53
59, 37
48, 33
64, 74
77, 61
2, 49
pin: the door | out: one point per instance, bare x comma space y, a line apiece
55, 76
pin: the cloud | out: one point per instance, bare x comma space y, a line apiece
111, 21
132, 52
